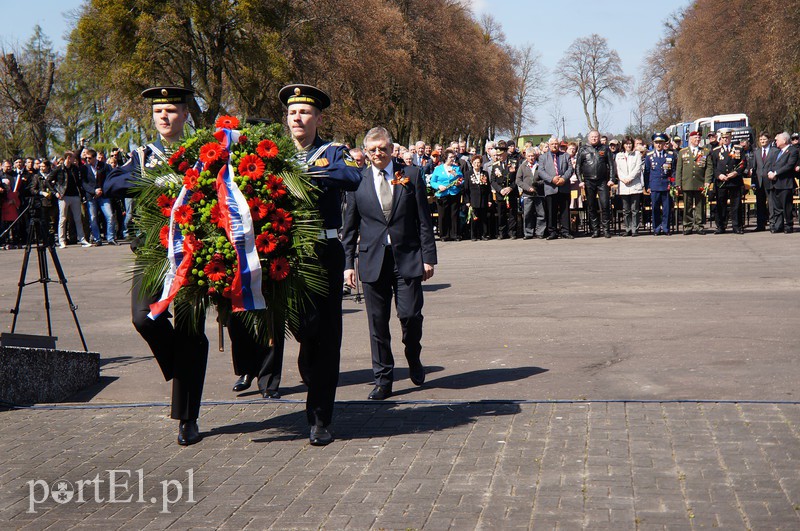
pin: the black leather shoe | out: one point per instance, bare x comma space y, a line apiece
417, 373
381, 392
701, 232
270, 393
595, 235
527, 237
320, 436
606, 235
553, 236
788, 231
188, 433
242, 383
719, 231
568, 236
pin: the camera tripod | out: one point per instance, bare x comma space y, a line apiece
38, 236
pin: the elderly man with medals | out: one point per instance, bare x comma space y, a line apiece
691, 180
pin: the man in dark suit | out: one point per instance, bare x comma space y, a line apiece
780, 183
93, 174
389, 210
758, 180
555, 170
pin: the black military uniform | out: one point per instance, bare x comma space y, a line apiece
503, 174
320, 334
181, 353
725, 160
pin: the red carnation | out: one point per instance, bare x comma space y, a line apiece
227, 122
183, 166
177, 156
183, 214
266, 243
251, 166
163, 236
243, 139
248, 189
197, 197
190, 179
191, 243
258, 208
267, 149
283, 239
281, 220
212, 152
215, 269
279, 269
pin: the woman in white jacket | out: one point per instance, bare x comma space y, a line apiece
631, 186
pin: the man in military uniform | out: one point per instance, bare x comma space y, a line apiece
333, 170
727, 167
181, 353
504, 184
596, 169
690, 178
658, 171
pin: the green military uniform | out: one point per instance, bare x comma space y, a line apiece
690, 176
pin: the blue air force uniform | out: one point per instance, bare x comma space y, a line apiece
659, 166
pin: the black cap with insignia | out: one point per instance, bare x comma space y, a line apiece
159, 95
308, 94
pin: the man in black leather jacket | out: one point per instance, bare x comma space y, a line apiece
596, 170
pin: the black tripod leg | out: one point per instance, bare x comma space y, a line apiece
63, 280
44, 278
23, 273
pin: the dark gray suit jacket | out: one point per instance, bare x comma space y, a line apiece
760, 167
409, 226
527, 179
783, 165
547, 172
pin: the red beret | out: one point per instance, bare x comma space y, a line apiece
694, 133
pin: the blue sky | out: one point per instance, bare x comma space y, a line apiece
549, 27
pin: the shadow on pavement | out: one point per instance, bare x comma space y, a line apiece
435, 287
367, 420
468, 380
86, 395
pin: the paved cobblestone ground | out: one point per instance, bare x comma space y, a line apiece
645, 383
478, 465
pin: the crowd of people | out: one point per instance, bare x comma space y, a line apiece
552, 190
66, 194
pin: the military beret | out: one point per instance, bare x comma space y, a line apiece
694, 133
660, 137
159, 95
308, 94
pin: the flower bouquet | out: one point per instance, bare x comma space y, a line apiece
229, 221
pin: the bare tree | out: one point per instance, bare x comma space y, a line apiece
26, 85
592, 71
557, 119
529, 92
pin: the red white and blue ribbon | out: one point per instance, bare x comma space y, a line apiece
235, 214
180, 260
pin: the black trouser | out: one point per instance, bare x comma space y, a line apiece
732, 195
181, 353
408, 303
477, 225
507, 215
598, 189
253, 358
632, 212
447, 208
781, 205
321, 337
557, 213
762, 214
